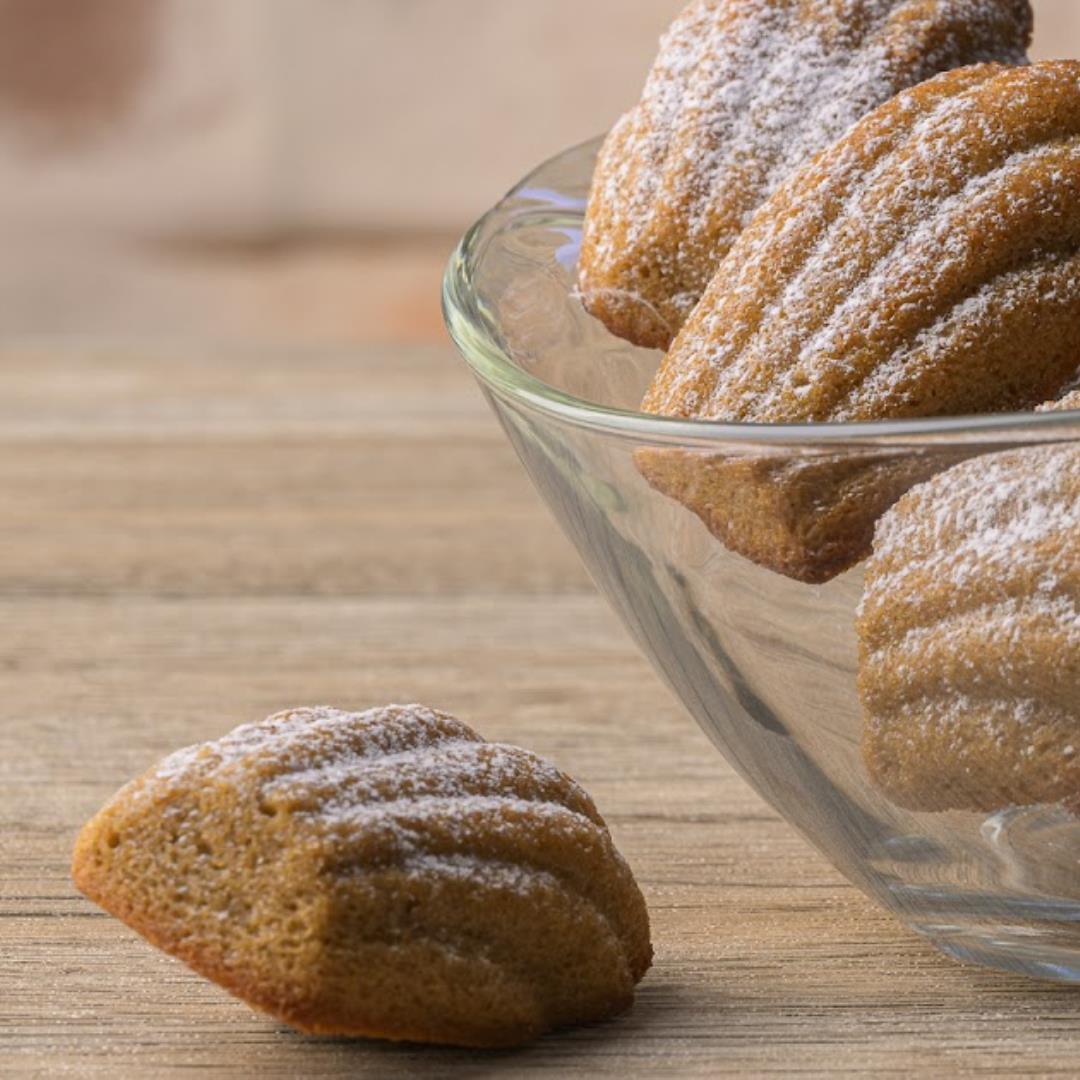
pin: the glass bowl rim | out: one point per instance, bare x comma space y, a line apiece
493, 365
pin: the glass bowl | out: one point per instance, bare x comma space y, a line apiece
767, 664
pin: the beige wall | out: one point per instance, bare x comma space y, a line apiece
254, 116
358, 135
1057, 32
471, 93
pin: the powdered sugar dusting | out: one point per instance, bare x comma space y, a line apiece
405, 827
412, 785
939, 223
489, 873
986, 519
1011, 727
743, 93
300, 738
448, 770
971, 616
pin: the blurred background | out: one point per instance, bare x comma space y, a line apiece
290, 169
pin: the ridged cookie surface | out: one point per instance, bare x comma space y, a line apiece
927, 264
386, 874
743, 93
970, 636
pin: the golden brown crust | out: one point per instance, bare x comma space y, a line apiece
927, 264
799, 516
743, 93
386, 874
970, 636
903, 273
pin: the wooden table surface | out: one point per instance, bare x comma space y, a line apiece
191, 539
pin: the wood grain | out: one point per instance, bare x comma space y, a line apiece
191, 539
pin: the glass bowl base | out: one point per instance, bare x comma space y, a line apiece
1023, 953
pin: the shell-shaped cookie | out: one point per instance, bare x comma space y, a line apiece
386, 874
970, 636
743, 93
927, 264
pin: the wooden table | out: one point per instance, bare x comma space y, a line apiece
190, 539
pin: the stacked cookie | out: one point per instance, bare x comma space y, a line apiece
743, 94
927, 264
849, 212
970, 636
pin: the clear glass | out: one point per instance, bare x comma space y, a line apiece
766, 664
